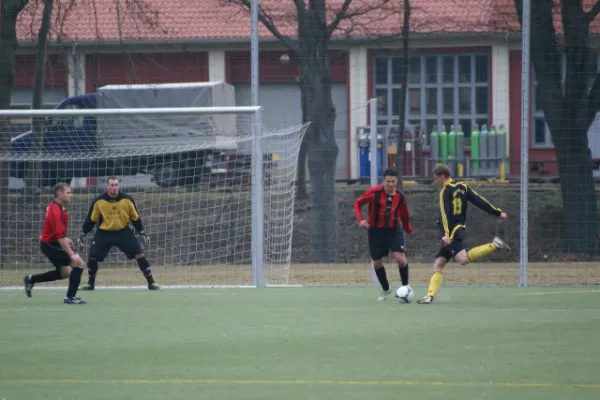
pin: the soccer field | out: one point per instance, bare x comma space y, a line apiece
301, 343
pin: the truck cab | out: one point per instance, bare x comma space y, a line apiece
89, 146
62, 136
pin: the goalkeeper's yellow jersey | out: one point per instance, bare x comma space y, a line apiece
112, 213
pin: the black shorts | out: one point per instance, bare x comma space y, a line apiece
103, 241
384, 240
456, 246
57, 256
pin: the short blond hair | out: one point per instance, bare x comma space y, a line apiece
60, 187
441, 170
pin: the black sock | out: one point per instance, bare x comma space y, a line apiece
380, 272
145, 268
403, 274
49, 276
92, 267
74, 281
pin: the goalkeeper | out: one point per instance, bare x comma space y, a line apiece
112, 212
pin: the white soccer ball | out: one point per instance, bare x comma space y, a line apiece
405, 294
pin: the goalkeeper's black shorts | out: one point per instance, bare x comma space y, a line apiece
124, 240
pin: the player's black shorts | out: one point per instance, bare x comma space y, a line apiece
103, 241
456, 246
57, 256
384, 240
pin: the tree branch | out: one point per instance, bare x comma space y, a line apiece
340, 15
13, 7
268, 23
300, 9
594, 11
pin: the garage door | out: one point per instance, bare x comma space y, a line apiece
282, 109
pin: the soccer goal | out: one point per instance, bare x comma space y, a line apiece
214, 190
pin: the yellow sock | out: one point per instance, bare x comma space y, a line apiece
477, 253
435, 283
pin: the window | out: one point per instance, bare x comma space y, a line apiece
445, 90
21, 100
540, 133
21, 97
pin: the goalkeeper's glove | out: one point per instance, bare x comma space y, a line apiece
145, 238
81, 241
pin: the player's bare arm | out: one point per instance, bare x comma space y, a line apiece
67, 246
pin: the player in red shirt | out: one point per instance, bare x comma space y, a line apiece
58, 248
387, 208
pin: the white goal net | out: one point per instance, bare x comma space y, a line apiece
215, 192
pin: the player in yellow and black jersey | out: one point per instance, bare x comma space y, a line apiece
112, 212
454, 199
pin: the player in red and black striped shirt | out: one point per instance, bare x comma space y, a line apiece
58, 248
387, 208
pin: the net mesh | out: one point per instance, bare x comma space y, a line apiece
189, 173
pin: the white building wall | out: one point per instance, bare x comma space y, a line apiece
216, 65
358, 77
76, 73
500, 87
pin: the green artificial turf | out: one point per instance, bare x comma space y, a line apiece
301, 343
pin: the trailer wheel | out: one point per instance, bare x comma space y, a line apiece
165, 176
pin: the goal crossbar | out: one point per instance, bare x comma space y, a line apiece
131, 111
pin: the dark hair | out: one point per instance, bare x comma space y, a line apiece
441, 170
390, 172
60, 187
112, 178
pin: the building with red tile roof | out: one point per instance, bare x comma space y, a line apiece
465, 68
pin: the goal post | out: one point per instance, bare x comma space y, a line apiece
213, 188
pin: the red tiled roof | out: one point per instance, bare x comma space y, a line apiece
90, 20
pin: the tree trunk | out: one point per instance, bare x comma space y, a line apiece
9, 11
580, 233
322, 157
41, 56
569, 114
404, 90
301, 191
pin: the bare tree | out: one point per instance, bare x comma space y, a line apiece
9, 11
316, 22
37, 124
569, 109
41, 55
136, 13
